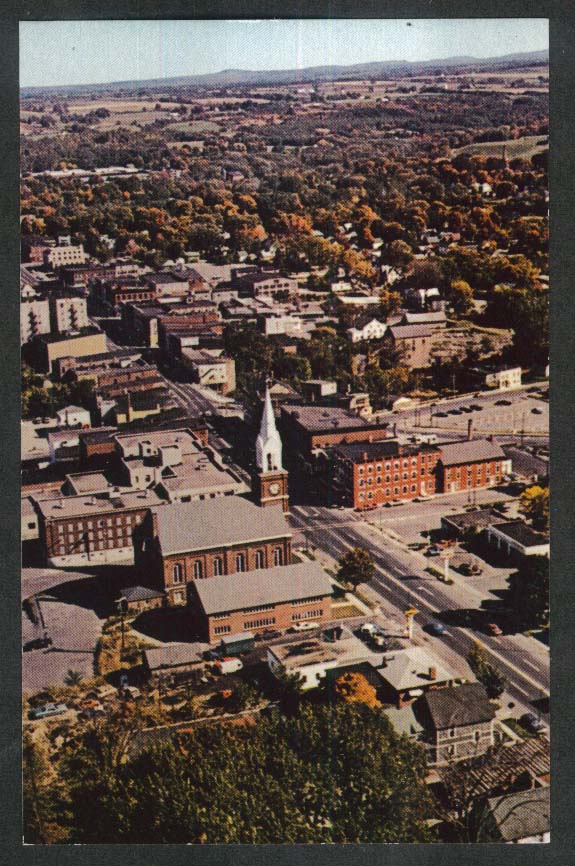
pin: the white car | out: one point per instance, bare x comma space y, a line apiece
305, 626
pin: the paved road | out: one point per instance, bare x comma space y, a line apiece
523, 660
197, 400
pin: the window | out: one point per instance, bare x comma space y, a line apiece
198, 570
259, 559
477, 736
378, 480
309, 614
413, 488
260, 623
223, 615
218, 566
278, 556
259, 608
310, 600
360, 470
177, 573
387, 491
240, 562
452, 732
222, 629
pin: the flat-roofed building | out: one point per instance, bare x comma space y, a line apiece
515, 539
45, 350
34, 318
184, 542
91, 529
212, 369
179, 465
269, 598
306, 428
58, 257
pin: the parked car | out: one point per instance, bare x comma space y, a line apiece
503, 402
470, 568
537, 411
440, 414
48, 710
532, 722
433, 550
436, 628
368, 628
476, 407
493, 629
37, 643
304, 626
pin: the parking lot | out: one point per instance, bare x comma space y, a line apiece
74, 631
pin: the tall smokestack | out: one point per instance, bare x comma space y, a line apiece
469, 429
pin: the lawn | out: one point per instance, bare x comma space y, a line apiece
345, 610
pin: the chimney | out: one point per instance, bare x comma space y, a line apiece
469, 429
432, 673
364, 456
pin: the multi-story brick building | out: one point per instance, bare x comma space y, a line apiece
307, 428
181, 543
270, 598
413, 342
109, 295
470, 464
368, 474
93, 530
265, 284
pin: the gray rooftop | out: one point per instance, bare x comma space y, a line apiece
62, 507
221, 522
318, 418
522, 814
432, 318
174, 655
266, 586
410, 332
467, 704
140, 593
518, 531
470, 451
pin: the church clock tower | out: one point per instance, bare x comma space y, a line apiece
271, 479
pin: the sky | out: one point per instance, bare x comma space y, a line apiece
92, 52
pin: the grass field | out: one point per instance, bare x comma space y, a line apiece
523, 148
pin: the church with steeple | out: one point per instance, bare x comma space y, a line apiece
271, 479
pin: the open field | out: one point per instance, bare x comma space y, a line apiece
523, 148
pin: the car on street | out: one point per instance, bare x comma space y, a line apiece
476, 407
503, 402
537, 411
48, 710
304, 626
455, 411
433, 551
466, 409
440, 414
436, 628
532, 722
493, 629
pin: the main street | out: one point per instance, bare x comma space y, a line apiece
401, 582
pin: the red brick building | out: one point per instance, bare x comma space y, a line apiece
91, 530
470, 464
368, 474
306, 428
184, 542
270, 598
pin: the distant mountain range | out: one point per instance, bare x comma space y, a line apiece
309, 75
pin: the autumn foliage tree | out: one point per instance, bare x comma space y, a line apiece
354, 688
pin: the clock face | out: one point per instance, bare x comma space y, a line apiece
274, 488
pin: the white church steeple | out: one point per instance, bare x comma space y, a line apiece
268, 443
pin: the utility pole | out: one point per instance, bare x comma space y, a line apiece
123, 608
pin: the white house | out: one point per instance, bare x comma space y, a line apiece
504, 380
373, 330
